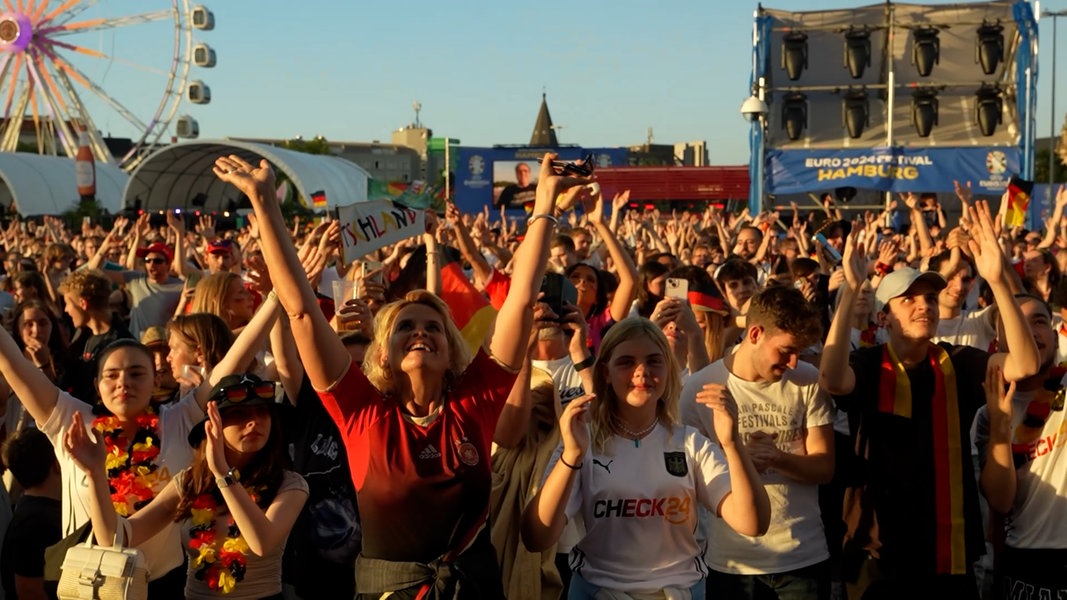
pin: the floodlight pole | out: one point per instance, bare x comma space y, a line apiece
1054, 15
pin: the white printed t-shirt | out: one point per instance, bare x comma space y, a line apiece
788, 407
163, 551
639, 506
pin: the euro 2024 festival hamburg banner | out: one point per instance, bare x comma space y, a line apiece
368, 226
895, 169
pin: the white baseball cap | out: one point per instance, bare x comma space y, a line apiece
900, 281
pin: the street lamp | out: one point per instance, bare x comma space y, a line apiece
1052, 116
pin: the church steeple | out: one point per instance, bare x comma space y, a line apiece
544, 134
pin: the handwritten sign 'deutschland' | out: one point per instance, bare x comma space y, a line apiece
368, 226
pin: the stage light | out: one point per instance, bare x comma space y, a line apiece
794, 54
924, 107
855, 112
795, 115
988, 109
925, 49
989, 46
857, 50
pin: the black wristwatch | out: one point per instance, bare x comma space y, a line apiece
585, 364
227, 480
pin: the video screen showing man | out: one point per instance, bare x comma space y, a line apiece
517, 194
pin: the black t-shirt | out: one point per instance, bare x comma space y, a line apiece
322, 548
85, 351
514, 196
899, 469
36, 525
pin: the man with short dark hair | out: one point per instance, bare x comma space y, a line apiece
786, 422
36, 523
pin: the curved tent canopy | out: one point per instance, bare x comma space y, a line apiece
35, 185
180, 176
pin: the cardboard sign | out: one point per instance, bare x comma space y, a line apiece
368, 226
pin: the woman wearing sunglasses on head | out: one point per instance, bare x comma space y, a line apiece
235, 505
419, 424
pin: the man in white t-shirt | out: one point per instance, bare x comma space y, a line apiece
975, 328
786, 421
1024, 469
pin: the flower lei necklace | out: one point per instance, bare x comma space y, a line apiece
220, 568
131, 471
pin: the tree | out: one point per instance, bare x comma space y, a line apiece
1041, 167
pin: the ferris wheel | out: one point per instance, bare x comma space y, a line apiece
72, 66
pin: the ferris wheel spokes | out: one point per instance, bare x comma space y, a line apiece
102, 24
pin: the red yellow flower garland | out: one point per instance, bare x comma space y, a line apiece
133, 476
220, 568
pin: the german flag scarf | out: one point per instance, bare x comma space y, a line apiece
894, 397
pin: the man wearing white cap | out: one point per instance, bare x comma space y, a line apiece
912, 516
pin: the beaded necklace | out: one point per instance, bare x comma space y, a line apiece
132, 473
221, 568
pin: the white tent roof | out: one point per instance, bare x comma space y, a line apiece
174, 176
34, 184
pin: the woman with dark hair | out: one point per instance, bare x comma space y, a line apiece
30, 285
422, 394
235, 505
651, 280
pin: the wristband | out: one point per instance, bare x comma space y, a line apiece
227, 480
585, 364
570, 466
530, 221
883, 268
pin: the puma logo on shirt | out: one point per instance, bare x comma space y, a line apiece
606, 467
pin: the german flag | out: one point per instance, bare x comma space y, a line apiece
1019, 191
470, 308
318, 199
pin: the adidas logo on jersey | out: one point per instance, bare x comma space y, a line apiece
429, 452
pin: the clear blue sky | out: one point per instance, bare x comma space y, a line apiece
349, 70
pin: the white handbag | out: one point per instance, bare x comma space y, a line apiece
92, 572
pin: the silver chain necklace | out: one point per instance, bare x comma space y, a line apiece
636, 436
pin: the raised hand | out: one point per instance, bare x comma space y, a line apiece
963, 193
574, 428
998, 398
215, 453
593, 205
724, 411
988, 256
88, 455
854, 262
254, 181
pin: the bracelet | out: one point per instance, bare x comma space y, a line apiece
585, 364
570, 466
530, 221
883, 268
228, 479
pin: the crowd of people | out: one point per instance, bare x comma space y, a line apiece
592, 402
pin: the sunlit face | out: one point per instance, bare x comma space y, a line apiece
1040, 322
561, 255
418, 342
246, 429
157, 266
701, 257
864, 301
637, 371
164, 373
913, 315
738, 291
126, 382
582, 242
584, 280
775, 352
72, 305
748, 242
182, 354
656, 286
237, 304
522, 174
959, 286
218, 262
35, 326
1034, 265
23, 292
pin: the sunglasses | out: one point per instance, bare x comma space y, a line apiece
237, 393
155, 261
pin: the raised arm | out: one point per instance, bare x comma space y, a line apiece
835, 374
325, 357
998, 479
507, 339
624, 265
1023, 360
482, 271
251, 340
